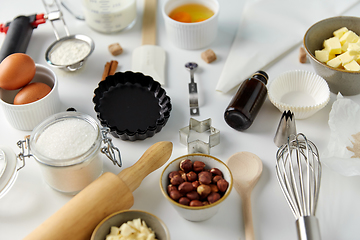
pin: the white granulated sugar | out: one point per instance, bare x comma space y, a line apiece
69, 52
66, 139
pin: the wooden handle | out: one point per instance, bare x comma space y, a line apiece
149, 23
110, 193
247, 216
77, 218
151, 160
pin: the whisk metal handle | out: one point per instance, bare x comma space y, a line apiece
308, 228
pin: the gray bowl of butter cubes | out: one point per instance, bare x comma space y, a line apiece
131, 224
333, 47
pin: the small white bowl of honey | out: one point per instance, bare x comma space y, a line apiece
191, 24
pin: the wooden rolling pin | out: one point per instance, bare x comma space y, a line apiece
109, 193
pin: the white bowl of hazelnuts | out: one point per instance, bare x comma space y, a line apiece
196, 185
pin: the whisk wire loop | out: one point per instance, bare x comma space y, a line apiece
298, 171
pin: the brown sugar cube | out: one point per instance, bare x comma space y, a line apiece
208, 56
302, 55
115, 49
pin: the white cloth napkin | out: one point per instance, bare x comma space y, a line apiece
270, 28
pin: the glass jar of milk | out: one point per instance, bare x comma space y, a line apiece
68, 147
108, 16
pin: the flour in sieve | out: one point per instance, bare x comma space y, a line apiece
66, 139
69, 52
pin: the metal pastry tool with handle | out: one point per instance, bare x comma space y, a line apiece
298, 170
193, 93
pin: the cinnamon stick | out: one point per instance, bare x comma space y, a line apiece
109, 69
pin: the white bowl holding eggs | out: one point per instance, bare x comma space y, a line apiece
27, 116
303, 93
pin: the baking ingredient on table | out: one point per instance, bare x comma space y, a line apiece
302, 55
194, 185
115, 49
191, 13
208, 56
31, 93
341, 51
69, 52
66, 139
246, 104
16, 70
131, 230
67, 148
109, 69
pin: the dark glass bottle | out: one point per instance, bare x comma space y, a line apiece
247, 102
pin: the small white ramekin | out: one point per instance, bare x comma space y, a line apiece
191, 36
27, 116
303, 93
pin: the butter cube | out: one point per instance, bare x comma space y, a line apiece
333, 45
346, 58
335, 62
353, 48
323, 55
352, 66
349, 37
340, 32
344, 47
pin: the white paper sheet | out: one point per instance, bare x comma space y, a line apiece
270, 28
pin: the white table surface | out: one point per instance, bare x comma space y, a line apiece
31, 200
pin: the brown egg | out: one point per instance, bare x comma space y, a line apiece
31, 93
16, 70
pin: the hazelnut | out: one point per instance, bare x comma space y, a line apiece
170, 187
176, 180
205, 177
184, 201
205, 203
193, 195
173, 173
185, 187
203, 190
222, 185
217, 178
195, 203
186, 165
191, 176
195, 184
175, 194
213, 197
216, 172
198, 166
214, 188
183, 176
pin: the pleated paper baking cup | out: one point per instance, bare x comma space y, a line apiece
303, 93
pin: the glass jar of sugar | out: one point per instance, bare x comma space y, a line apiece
68, 147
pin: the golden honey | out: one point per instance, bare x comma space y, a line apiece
191, 13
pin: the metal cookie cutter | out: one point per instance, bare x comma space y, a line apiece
199, 128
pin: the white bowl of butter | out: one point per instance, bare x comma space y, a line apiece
303, 93
131, 224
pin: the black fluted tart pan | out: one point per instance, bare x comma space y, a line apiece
132, 105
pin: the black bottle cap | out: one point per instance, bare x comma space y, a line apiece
261, 75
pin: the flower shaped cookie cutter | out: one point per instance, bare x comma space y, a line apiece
190, 135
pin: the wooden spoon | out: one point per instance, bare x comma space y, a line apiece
246, 169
